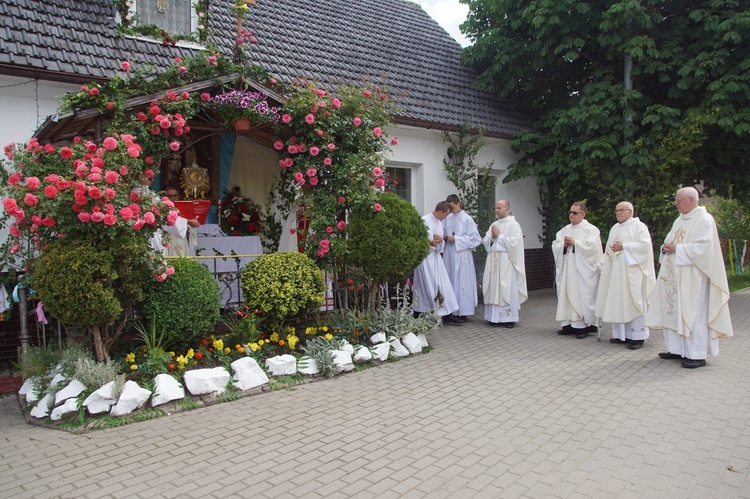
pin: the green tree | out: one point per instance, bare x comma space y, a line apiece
682, 116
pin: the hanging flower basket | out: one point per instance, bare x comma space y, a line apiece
242, 125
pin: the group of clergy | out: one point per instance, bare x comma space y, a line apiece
448, 283
688, 302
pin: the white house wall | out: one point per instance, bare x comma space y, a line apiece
423, 151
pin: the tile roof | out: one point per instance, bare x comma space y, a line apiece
333, 41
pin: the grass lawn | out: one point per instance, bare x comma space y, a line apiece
737, 282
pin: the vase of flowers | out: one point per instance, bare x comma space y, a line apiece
241, 109
240, 216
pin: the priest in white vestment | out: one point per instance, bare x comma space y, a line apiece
183, 235
461, 237
577, 249
504, 279
627, 278
432, 288
691, 300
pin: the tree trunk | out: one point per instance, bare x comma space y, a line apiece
101, 352
374, 295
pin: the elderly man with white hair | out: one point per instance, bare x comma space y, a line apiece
627, 278
691, 300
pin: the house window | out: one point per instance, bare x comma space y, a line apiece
399, 182
487, 187
173, 16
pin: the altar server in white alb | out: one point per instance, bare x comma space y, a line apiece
691, 300
577, 249
432, 287
461, 237
627, 278
504, 280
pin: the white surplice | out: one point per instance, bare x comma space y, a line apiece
627, 279
182, 239
577, 274
430, 277
504, 279
691, 300
459, 260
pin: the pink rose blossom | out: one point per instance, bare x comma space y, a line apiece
161, 277
14, 231
320, 133
377, 131
138, 224
14, 248
205, 97
32, 183
95, 193
124, 170
97, 216
320, 92
377, 207
278, 145
149, 218
178, 60
148, 160
325, 244
299, 177
379, 183
110, 144
321, 104
314, 151
125, 65
111, 177
377, 171
174, 146
313, 180
110, 193
110, 219
286, 118
95, 177
367, 93
126, 213
331, 146
311, 172
357, 121
14, 179
10, 205
50, 191
291, 149
66, 153
48, 222
288, 162
169, 270
172, 217
321, 253
341, 225
183, 69
327, 161
329, 229
212, 60
342, 199
336, 102
309, 119
394, 141
30, 200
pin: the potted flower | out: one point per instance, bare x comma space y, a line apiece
239, 216
243, 108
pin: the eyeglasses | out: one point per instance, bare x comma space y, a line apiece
678, 201
575, 212
622, 209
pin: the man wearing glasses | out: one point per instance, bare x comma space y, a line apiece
577, 249
690, 302
627, 278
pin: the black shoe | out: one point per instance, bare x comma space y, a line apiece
590, 329
693, 363
618, 341
461, 318
494, 324
566, 330
449, 319
508, 325
669, 356
581, 334
635, 345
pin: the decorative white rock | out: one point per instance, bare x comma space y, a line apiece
282, 364
346, 347
101, 400
307, 365
247, 374
362, 354
59, 378
423, 340
28, 389
74, 389
205, 381
412, 343
342, 361
132, 397
398, 348
377, 338
41, 410
166, 389
70, 405
381, 351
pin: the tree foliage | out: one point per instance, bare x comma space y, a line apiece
685, 120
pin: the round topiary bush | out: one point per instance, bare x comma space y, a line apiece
398, 229
187, 304
283, 286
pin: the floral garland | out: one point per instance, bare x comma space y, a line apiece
239, 216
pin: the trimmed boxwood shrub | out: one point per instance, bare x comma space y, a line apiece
187, 304
283, 286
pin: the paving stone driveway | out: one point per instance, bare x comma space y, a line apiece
490, 412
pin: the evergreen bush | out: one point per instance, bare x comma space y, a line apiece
186, 305
283, 286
